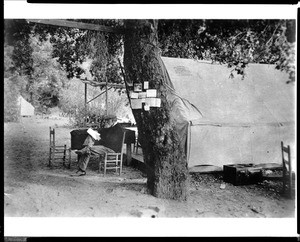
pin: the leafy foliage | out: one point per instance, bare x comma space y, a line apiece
102, 48
232, 42
17, 34
8, 62
49, 77
42, 78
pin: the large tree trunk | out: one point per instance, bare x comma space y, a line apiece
167, 174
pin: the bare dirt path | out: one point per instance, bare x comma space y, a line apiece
34, 190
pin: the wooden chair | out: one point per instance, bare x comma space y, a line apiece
56, 149
112, 161
287, 170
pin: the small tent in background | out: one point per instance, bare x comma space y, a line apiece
225, 120
26, 109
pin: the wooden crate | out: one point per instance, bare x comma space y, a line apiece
242, 174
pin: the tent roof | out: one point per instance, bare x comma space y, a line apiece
261, 97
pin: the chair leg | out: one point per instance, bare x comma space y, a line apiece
53, 154
50, 156
100, 164
290, 184
120, 164
69, 166
283, 181
65, 150
64, 156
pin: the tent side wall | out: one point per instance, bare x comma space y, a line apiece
244, 120
217, 146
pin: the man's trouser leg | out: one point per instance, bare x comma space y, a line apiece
84, 159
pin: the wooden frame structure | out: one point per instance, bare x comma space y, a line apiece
93, 83
78, 25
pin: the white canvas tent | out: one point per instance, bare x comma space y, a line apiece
232, 120
26, 109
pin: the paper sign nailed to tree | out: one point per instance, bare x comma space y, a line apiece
136, 103
137, 87
142, 95
151, 93
146, 85
134, 95
153, 102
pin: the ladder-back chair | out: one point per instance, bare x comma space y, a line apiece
112, 161
56, 149
287, 170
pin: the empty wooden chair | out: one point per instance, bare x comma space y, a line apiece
56, 151
112, 161
287, 170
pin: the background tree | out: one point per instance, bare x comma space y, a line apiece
165, 158
48, 75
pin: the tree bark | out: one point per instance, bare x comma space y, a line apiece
167, 173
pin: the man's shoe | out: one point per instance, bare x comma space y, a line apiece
80, 172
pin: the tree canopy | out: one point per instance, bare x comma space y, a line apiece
232, 42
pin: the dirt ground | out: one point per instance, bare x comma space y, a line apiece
32, 189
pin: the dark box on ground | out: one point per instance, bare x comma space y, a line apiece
242, 174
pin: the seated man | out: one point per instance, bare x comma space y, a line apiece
85, 153
110, 135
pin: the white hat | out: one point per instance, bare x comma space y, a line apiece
94, 134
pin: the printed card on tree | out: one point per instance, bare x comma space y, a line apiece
142, 94
146, 85
151, 92
134, 94
157, 102
146, 107
137, 87
136, 103
153, 102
